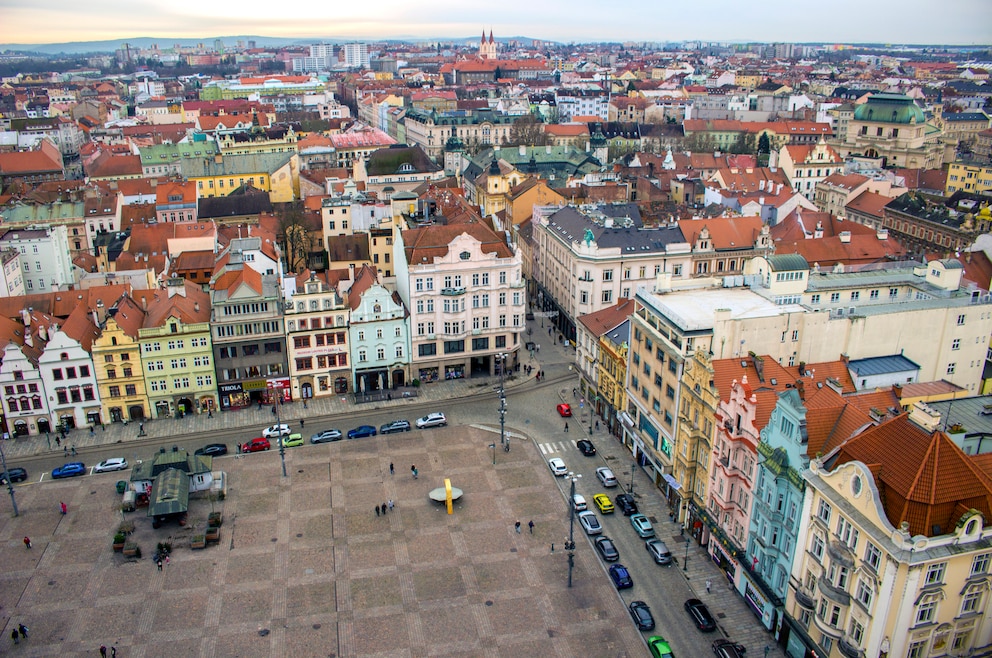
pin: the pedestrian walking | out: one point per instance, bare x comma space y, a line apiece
13, 636
377, 510
65, 450
304, 404
23, 630
413, 470
415, 473
538, 346
392, 471
552, 547
566, 427
158, 563
516, 526
103, 651
390, 504
530, 524
597, 425
708, 585
384, 508
64, 508
27, 542
113, 652
73, 451
301, 423
58, 441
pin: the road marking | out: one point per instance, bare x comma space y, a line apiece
549, 448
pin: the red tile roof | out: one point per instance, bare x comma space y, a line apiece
607, 319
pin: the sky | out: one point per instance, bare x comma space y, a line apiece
962, 22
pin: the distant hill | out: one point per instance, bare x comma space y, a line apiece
110, 45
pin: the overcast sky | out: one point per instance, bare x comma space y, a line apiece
839, 21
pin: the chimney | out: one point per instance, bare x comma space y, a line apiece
101, 312
144, 303
778, 189
761, 185
26, 317
924, 416
196, 307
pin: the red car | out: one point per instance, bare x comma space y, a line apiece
256, 445
564, 410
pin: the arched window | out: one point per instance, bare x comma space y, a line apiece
314, 306
301, 307
12, 404
64, 356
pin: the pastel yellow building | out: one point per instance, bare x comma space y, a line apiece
275, 173
699, 400
969, 176
117, 364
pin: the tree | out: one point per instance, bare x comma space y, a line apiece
297, 240
527, 131
764, 144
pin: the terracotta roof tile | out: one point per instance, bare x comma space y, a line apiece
607, 319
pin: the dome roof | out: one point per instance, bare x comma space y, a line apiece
889, 108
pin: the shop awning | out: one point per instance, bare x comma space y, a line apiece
672, 482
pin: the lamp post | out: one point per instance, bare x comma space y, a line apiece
10, 484
570, 544
493, 446
685, 562
282, 440
502, 404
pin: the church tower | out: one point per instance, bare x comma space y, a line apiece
487, 47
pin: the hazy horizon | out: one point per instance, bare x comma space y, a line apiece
963, 22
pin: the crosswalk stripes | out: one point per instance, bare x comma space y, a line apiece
549, 448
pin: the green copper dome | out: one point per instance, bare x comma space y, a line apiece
889, 108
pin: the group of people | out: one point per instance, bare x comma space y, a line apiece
385, 507
21, 632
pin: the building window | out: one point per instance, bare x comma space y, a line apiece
823, 511
847, 533
864, 593
816, 546
935, 573
972, 602
873, 556
980, 564
927, 610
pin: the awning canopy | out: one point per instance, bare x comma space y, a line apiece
672, 482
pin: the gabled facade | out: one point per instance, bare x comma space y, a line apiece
117, 364
462, 285
806, 166
699, 401
67, 372
176, 351
25, 405
317, 339
379, 335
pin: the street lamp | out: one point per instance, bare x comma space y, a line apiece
10, 483
502, 404
570, 544
685, 562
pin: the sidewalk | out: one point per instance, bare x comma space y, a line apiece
253, 419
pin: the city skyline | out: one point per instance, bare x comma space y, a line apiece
962, 22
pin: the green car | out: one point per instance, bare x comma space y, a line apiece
659, 647
293, 440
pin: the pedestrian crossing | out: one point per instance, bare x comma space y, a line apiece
554, 446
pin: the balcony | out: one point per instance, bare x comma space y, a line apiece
841, 553
452, 292
833, 593
849, 648
805, 598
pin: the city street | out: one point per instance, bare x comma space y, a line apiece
535, 430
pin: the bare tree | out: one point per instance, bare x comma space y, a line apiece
296, 236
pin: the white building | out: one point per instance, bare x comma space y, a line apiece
67, 372
379, 334
45, 260
11, 281
356, 55
25, 404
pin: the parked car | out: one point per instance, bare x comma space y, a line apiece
626, 504
729, 649
276, 430
642, 526
395, 426
586, 447
325, 436
659, 647
557, 466
641, 614
69, 470
700, 615
361, 432
579, 503
606, 476
590, 523
435, 419
293, 440
607, 548
16, 474
112, 464
603, 503
659, 551
564, 410
256, 445
620, 576
212, 450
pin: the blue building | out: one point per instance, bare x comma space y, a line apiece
778, 501
379, 335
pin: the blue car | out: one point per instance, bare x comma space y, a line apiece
69, 470
361, 432
620, 576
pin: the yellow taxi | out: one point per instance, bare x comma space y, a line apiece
603, 503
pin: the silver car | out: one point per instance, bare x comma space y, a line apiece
325, 436
606, 476
658, 551
435, 419
590, 523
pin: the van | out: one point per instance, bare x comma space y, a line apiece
579, 503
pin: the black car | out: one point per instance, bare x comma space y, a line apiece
212, 450
728, 649
701, 616
586, 447
16, 474
626, 504
607, 549
641, 614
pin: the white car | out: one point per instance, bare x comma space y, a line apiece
557, 466
112, 464
435, 419
276, 430
579, 503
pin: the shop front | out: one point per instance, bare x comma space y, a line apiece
757, 600
232, 396
278, 389
721, 553
257, 391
